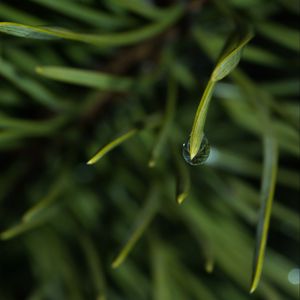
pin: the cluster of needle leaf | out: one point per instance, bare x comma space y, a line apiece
96, 100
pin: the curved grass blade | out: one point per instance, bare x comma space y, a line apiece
112, 145
86, 14
170, 111
228, 61
105, 40
150, 122
267, 193
87, 78
45, 202
143, 220
26, 226
30, 86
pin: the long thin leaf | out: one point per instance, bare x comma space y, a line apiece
169, 115
150, 122
142, 222
86, 14
229, 59
267, 193
108, 40
30, 86
231, 54
87, 78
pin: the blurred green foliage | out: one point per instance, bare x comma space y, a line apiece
126, 77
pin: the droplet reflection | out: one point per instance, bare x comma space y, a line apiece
294, 276
202, 154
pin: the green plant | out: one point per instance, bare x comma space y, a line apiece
125, 77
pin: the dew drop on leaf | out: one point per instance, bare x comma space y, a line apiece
202, 154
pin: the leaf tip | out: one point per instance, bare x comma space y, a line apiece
181, 197
151, 163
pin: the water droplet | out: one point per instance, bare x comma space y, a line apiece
202, 154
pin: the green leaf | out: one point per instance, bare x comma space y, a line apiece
285, 36
112, 145
12, 14
267, 193
166, 126
105, 40
231, 54
228, 61
150, 122
86, 14
46, 201
142, 8
183, 181
30, 86
142, 222
87, 78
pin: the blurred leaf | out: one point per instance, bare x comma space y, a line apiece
143, 220
29, 86
267, 193
167, 122
285, 36
108, 40
85, 14
87, 78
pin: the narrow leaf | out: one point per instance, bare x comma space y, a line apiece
112, 145
115, 39
45, 202
285, 36
228, 61
142, 222
169, 115
231, 54
150, 122
267, 193
199, 121
87, 78
183, 181
85, 13
30, 86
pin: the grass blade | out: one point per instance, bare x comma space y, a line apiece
142, 8
267, 193
285, 36
183, 181
46, 201
112, 145
170, 111
94, 264
12, 14
150, 122
87, 78
231, 54
85, 14
107, 40
229, 59
142, 222
29, 86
